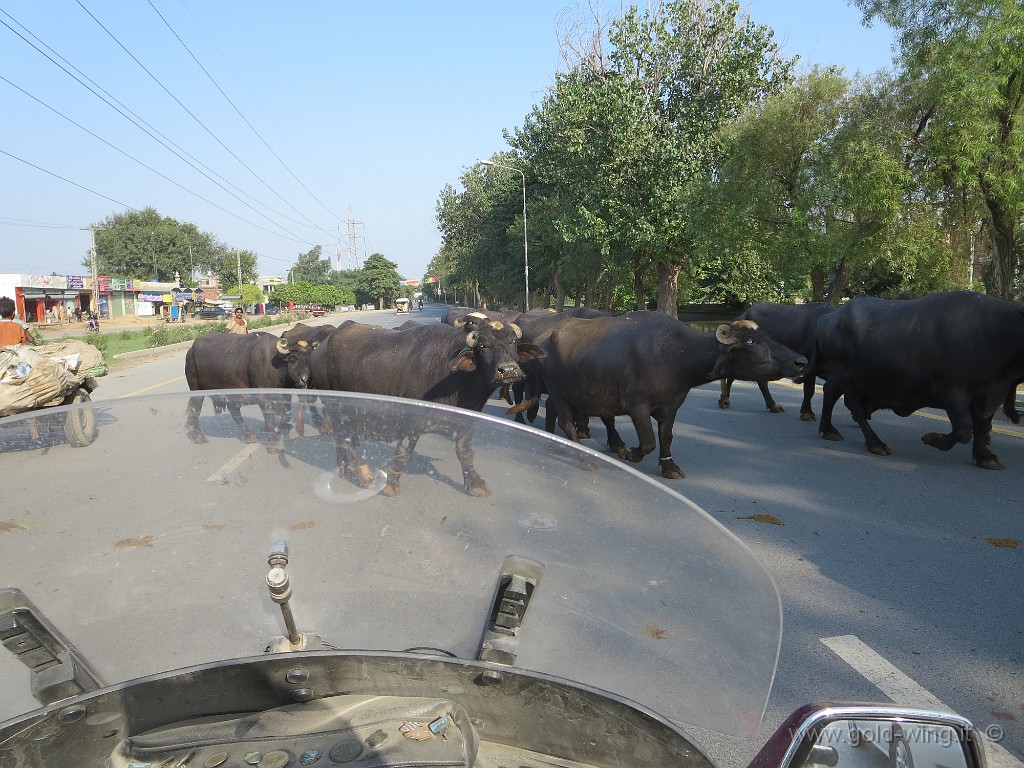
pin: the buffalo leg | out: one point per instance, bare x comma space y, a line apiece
235, 409
277, 411
832, 392
615, 442
192, 411
723, 399
983, 457
965, 429
806, 410
558, 411
475, 485
642, 425
769, 401
862, 416
403, 453
962, 428
669, 469
351, 465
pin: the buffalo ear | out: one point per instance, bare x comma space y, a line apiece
465, 362
527, 352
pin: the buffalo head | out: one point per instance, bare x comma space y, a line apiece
295, 358
750, 354
494, 349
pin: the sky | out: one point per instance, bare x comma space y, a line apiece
277, 126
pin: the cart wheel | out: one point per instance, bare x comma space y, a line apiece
80, 423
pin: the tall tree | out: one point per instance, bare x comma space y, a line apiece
968, 54
311, 267
228, 263
623, 145
380, 280
147, 246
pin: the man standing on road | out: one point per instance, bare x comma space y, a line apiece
237, 324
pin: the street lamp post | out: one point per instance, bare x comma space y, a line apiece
526, 253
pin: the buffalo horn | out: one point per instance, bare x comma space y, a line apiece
471, 338
725, 335
282, 346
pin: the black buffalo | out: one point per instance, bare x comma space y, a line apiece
643, 364
793, 325
250, 361
959, 351
436, 363
311, 334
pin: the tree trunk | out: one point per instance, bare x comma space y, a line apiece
638, 285
840, 281
668, 288
817, 284
559, 291
1004, 256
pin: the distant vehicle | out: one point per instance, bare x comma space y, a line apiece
402, 306
272, 309
212, 313
313, 309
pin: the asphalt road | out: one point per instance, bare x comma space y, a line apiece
901, 577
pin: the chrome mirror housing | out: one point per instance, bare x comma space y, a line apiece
872, 736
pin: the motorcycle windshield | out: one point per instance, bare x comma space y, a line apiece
147, 546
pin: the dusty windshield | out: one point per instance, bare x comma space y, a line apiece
149, 550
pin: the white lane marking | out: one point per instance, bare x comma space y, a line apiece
222, 474
904, 691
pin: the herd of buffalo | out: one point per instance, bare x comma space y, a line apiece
958, 351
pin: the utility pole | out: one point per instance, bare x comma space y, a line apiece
238, 261
94, 302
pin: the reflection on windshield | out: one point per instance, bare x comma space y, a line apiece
149, 551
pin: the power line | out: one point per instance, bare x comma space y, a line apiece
69, 181
266, 114
135, 159
246, 121
152, 132
37, 224
178, 101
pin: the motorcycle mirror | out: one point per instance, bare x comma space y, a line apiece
872, 736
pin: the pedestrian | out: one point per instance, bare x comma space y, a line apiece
237, 324
12, 330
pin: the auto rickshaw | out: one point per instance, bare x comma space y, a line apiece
402, 306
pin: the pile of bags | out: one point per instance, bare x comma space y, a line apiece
43, 376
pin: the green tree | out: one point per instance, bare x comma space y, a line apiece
312, 268
969, 58
621, 145
379, 279
226, 264
146, 246
251, 294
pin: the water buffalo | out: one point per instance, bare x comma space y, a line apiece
959, 351
311, 334
643, 364
793, 325
436, 363
254, 360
